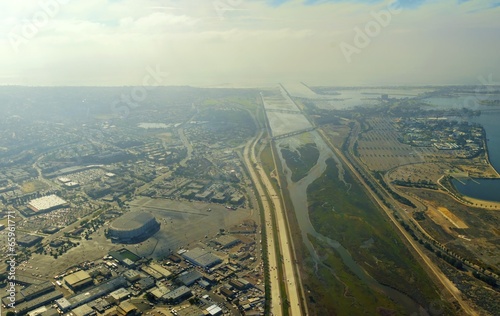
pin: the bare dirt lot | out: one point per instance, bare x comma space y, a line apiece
478, 239
183, 223
457, 222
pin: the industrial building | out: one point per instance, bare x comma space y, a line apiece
29, 240
159, 269
179, 294
100, 305
227, 241
151, 272
30, 305
91, 294
36, 290
145, 284
83, 310
78, 280
214, 310
133, 227
132, 275
189, 278
126, 308
47, 203
201, 257
119, 295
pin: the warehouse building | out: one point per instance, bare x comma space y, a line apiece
47, 203
189, 278
132, 276
178, 295
78, 280
201, 258
83, 310
35, 303
119, 295
36, 290
161, 270
227, 241
29, 240
91, 294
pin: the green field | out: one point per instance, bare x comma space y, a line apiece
347, 294
34, 186
345, 213
301, 161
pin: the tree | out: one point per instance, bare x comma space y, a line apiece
150, 297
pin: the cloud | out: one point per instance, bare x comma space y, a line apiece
99, 42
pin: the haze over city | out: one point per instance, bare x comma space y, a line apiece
247, 43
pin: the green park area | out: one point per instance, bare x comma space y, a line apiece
344, 212
301, 160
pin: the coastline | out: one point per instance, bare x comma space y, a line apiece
468, 200
482, 203
496, 175
487, 155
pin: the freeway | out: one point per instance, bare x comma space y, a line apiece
271, 201
271, 249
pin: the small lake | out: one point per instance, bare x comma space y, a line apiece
483, 189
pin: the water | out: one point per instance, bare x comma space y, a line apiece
298, 195
489, 120
485, 189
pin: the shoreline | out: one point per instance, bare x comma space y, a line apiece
468, 200
487, 154
482, 203
476, 201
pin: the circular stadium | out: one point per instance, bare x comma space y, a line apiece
133, 227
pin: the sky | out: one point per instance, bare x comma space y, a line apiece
248, 42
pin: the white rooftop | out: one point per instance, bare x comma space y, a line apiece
46, 202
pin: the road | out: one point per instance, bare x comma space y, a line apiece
268, 222
272, 201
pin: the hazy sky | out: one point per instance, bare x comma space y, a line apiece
215, 42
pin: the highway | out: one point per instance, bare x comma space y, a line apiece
271, 201
275, 308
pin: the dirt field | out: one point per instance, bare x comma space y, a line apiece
478, 237
34, 186
419, 172
452, 218
183, 224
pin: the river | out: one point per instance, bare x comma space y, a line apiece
298, 196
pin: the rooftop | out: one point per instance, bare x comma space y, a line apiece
78, 277
201, 257
46, 202
177, 293
132, 220
190, 277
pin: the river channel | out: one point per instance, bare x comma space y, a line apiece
298, 195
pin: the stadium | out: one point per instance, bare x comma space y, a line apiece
133, 227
